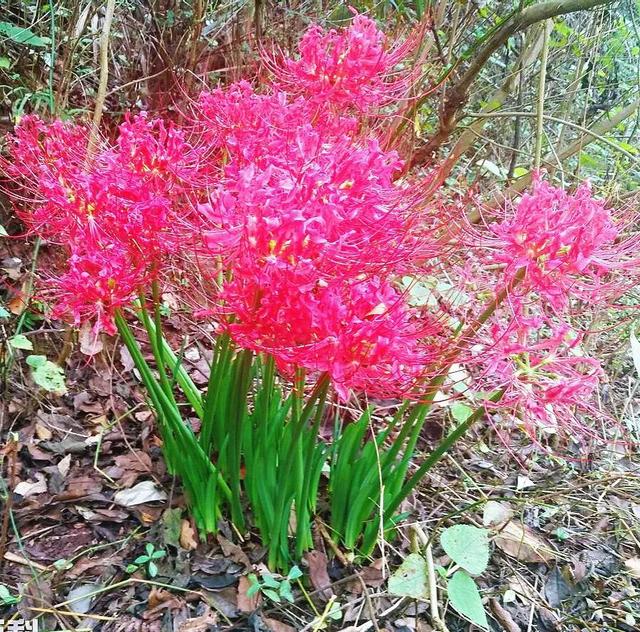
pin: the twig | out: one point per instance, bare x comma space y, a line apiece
517, 22
104, 78
436, 620
11, 453
537, 156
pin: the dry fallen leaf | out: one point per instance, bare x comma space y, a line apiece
496, 514
277, 626
318, 574
143, 492
188, 539
90, 341
245, 603
43, 433
234, 552
64, 465
200, 624
133, 464
522, 589
26, 489
519, 541
633, 566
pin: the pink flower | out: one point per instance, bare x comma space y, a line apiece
562, 241
99, 281
312, 231
121, 214
353, 68
545, 375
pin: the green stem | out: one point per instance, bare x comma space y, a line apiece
165, 409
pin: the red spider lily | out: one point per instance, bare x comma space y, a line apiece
289, 191
565, 242
119, 214
354, 68
542, 369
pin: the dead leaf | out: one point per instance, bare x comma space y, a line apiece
160, 600
90, 341
234, 552
64, 465
79, 487
519, 541
143, 492
633, 566
42, 432
200, 624
245, 603
523, 589
318, 574
495, 514
132, 465
81, 597
559, 586
277, 626
524, 482
158, 596
85, 402
26, 488
188, 538
126, 359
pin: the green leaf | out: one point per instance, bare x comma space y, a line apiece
157, 555
3, 230
5, 62
518, 172
465, 598
254, 587
461, 412
22, 36
410, 580
36, 361
171, 527
20, 341
62, 565
141, 559
131, 568
47, 374
152, 569
149, 548
285, 591
6, 598
467, 546
272, 594
295, 573
4, 314
270, 581
335, 612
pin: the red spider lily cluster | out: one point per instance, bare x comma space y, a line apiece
286, 191
116, 214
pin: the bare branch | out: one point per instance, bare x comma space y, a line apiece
458, 93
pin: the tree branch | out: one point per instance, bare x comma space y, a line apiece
458, 93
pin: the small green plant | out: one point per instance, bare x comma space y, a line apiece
6, 598
468, 548
332, 612
273, 588
147, 561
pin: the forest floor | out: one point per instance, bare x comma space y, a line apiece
89, 494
